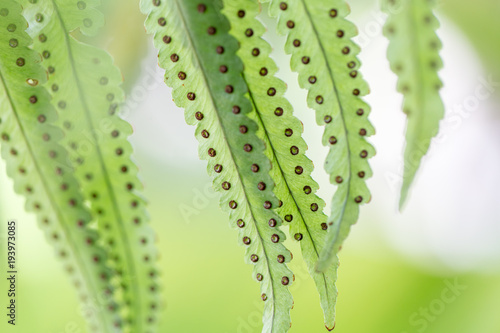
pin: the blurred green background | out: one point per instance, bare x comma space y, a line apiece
433, 268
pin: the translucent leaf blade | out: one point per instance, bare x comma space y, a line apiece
86, 90
291, 172
201, 65
319, 40
413, 54
38, 165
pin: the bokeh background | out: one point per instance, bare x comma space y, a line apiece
434, 268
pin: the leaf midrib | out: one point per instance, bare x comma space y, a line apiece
413, 26
344, 125
124, 236
286, 183
198, 57
70, 241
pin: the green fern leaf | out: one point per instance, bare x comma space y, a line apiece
413, 54
201, 66
38, 165
319, 39
281, 132
86, 92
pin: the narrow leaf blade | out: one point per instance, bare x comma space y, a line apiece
319, 37
201, 65
413, 54
38, 165
87, 93
281, 131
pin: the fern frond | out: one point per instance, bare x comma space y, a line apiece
281, 131
86, 91
204, 71
413, 54
324, 55
38, 166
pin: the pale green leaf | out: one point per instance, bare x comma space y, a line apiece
201, 66
86, 90
39, 168
413, 54
324, 55
302, 208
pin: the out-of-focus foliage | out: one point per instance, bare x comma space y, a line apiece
39, 167
86, 92
393, 287
479, 21
413, 54
123, 38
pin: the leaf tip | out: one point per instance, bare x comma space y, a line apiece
402, 199
405, 190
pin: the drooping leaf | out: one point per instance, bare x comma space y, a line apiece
39, 167
86, 91
281, 131
413, 54
201, 66
324, 55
